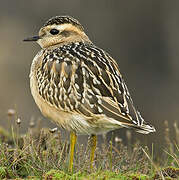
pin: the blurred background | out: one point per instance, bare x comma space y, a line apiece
143, 36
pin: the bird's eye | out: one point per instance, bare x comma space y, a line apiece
54, 31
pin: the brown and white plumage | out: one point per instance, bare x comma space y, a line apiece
78, 85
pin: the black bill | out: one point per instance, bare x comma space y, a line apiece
35, 38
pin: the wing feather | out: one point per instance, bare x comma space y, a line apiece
85, 79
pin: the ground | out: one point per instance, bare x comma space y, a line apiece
43, 154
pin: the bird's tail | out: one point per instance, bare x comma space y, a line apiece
144, 128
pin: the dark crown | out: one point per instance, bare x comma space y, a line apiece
63, 20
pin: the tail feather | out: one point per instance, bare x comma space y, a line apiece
144, 129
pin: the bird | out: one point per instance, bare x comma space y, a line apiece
79, 86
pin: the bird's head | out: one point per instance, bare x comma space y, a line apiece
60, 30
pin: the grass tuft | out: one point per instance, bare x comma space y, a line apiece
42, 154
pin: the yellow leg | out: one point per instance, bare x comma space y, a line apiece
72, 148
93, 141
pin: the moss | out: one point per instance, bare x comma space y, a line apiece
104, 175
55, 174
138, 177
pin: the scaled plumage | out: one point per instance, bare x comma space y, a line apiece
83, 80
78, 85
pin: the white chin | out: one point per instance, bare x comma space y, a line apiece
40, 43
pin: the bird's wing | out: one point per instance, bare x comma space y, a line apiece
105, 90
85, 79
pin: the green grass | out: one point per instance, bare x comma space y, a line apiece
42, 154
